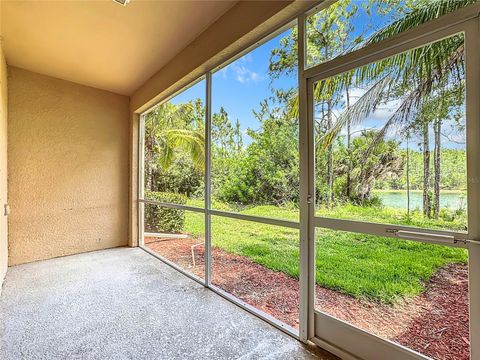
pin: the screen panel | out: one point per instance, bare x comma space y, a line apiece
174, 149
390, 140
349, 25
255, 156
411, 293
176, 235
259, 264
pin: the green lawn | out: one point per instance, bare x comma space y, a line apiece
371, 267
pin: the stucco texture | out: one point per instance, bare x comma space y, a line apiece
68, 161
3, 166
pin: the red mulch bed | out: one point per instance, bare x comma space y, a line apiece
434, 323
441, 329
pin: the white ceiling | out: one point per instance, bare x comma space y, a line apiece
101, 43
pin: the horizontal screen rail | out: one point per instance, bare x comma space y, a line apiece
441, 237
348, 337
259, 219
228, 214
172, 206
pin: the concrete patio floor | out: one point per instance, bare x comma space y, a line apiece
125, 304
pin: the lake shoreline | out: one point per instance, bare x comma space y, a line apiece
397, 199
459, 191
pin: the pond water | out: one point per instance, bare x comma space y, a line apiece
398, 199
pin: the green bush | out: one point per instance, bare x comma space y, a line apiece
160, 219
181, 177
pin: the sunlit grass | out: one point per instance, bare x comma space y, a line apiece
365, 266
388, 215
378, 268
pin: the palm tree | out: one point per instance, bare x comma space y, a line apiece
416, 71
412, 77
170, 129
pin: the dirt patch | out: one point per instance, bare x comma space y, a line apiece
434, 323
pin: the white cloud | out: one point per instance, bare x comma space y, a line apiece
244, 75
241, 72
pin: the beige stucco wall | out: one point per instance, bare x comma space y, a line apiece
68, 163
3, 166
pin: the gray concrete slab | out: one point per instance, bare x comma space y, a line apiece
125, 304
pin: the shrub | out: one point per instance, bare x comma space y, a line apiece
160, 219
180, 177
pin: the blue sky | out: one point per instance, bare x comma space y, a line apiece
240, 86
243, 84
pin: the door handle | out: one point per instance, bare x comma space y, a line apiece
428, 237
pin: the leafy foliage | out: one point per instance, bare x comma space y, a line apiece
160, 219
175, 144
266, 171
260, 166
383, 162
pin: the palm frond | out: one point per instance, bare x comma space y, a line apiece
410, 104
419, 15
363, 107
167, 156
191, 141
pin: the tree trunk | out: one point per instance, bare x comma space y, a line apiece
329, 157
426, 172
436, 166
148, 177
147, 160
408, 178
349, 157
322, 172
330, 147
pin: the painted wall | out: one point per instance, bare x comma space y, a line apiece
68, 163
3, 166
